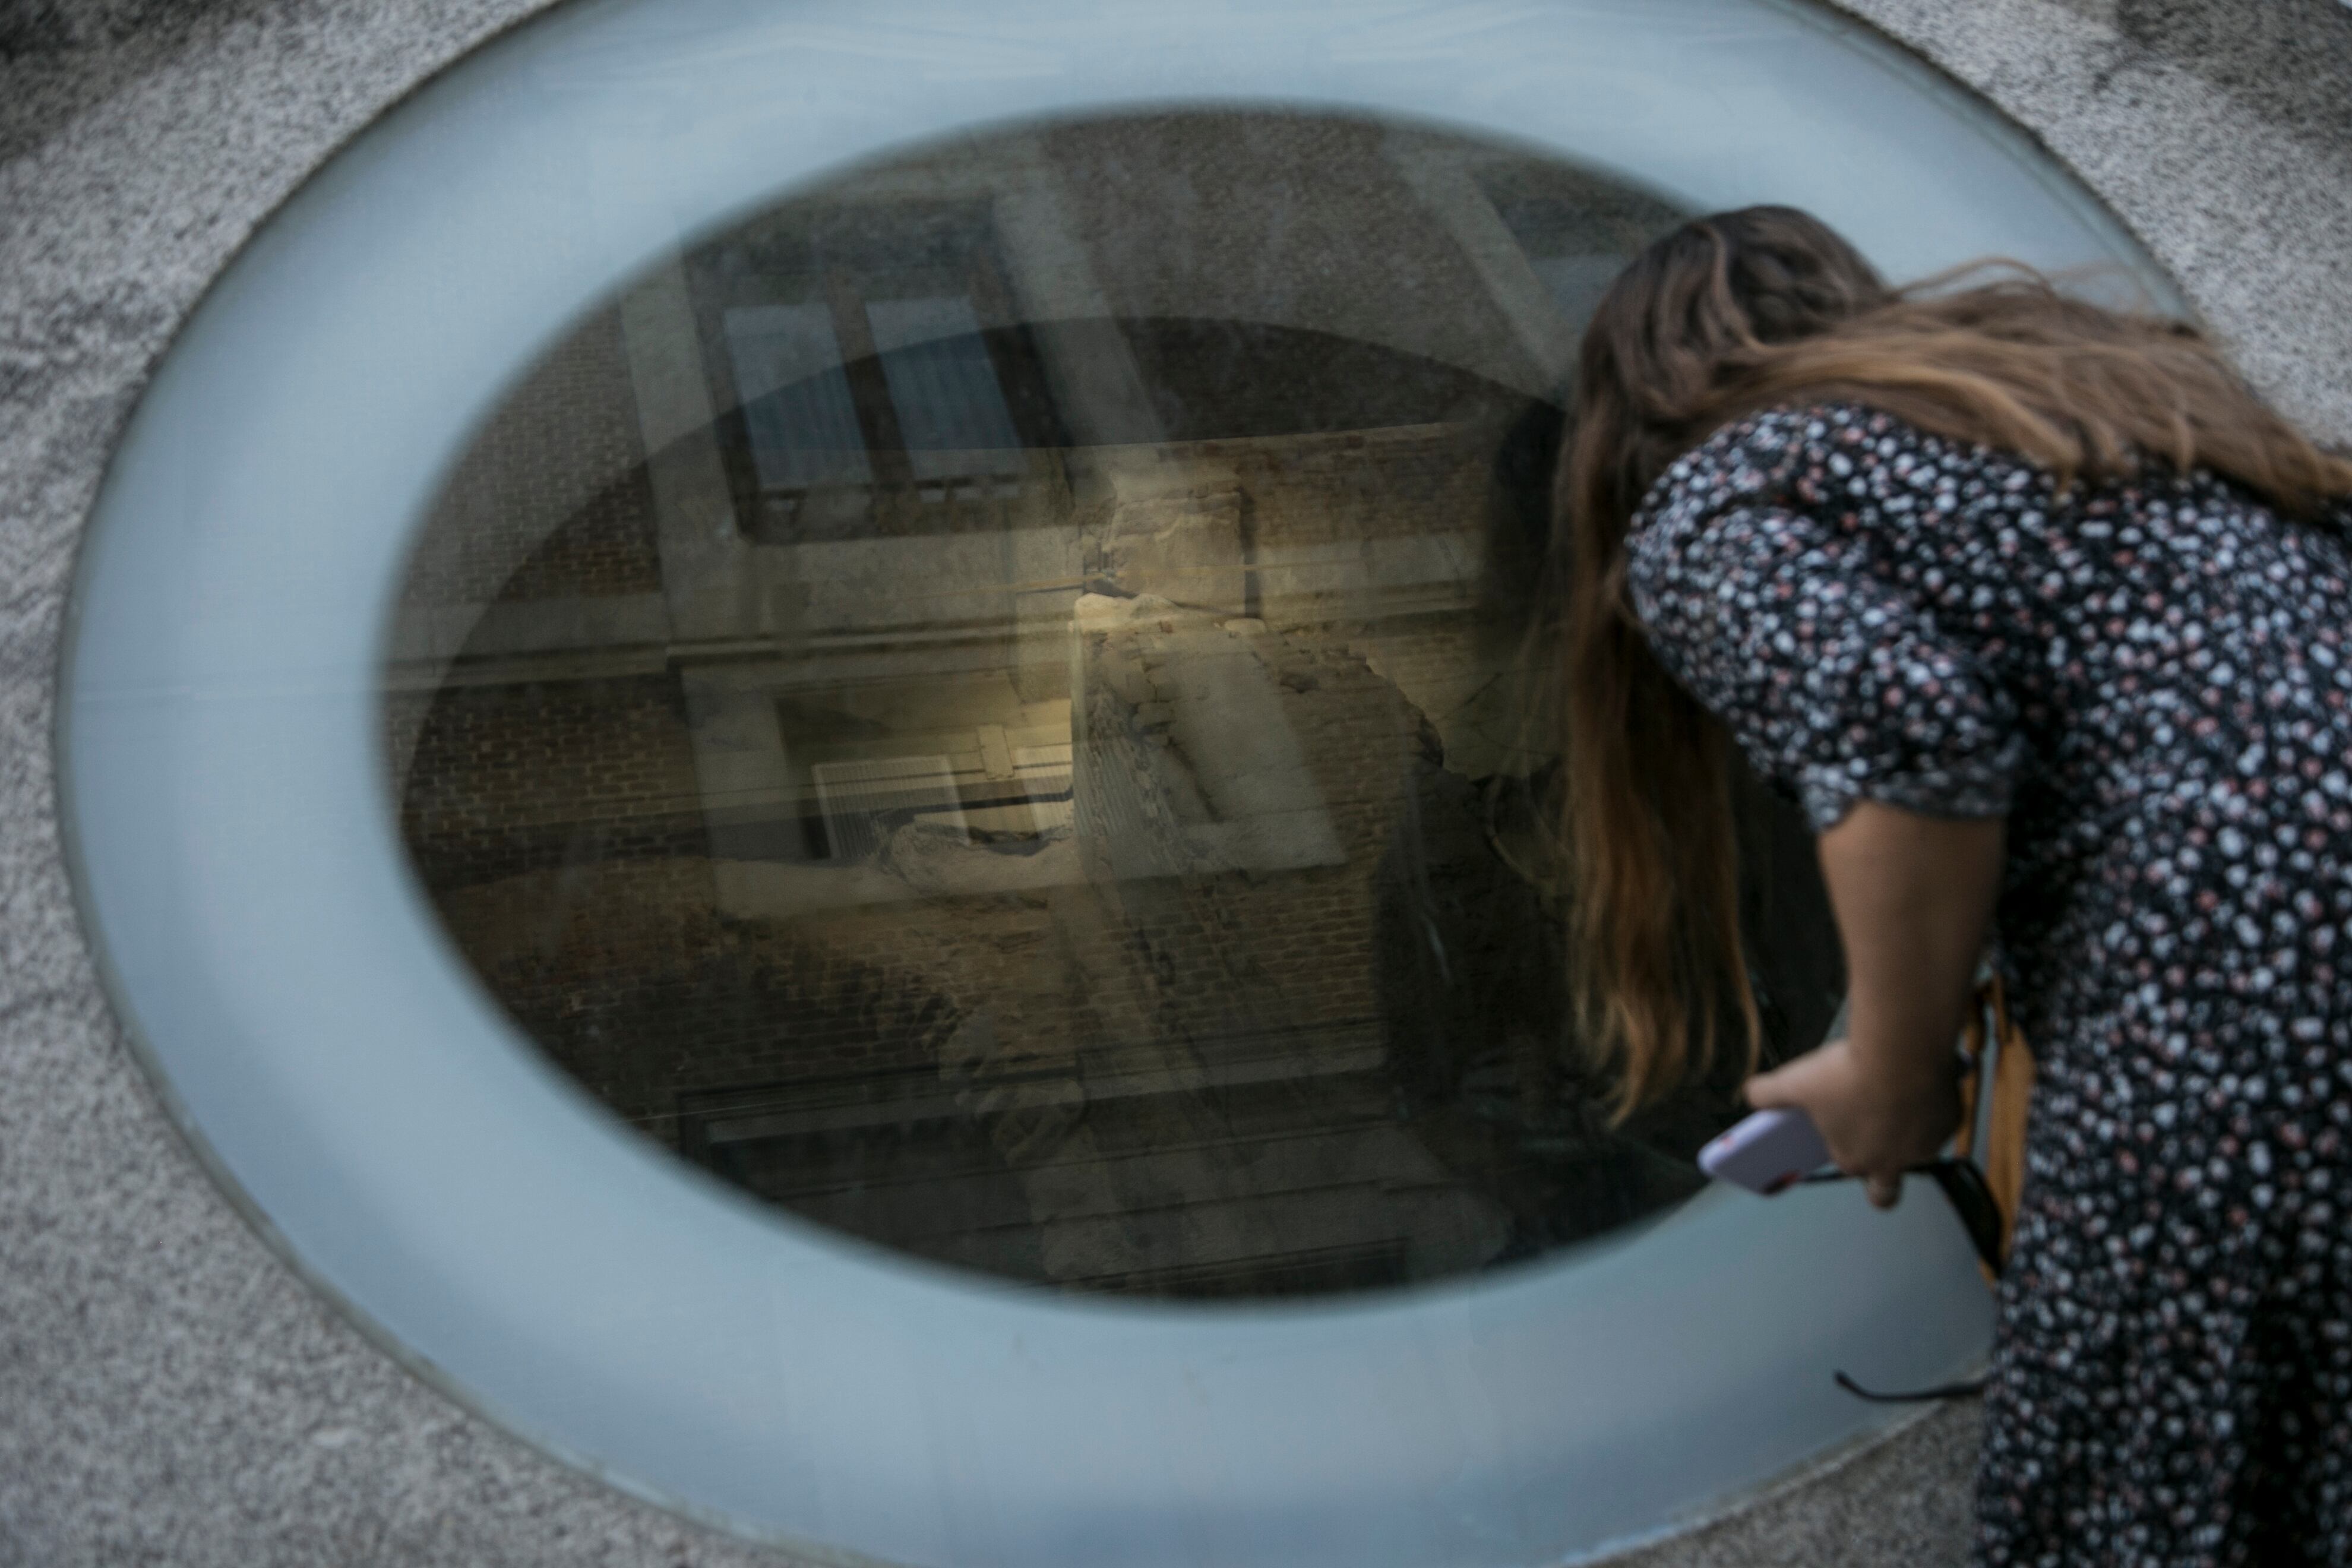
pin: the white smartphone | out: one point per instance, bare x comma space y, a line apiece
1767, 1152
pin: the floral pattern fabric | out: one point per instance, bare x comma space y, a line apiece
2153, 681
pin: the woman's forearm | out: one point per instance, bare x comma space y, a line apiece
1913, 896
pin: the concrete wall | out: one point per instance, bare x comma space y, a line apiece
169, 1392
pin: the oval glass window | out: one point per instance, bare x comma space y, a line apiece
985, 706
757, 648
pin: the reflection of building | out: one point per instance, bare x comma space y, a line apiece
964, 709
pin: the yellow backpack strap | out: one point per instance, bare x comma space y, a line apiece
1997, 1082
2012, 1096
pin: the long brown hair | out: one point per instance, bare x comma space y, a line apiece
1768, 307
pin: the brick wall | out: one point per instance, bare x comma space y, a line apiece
625, 972
557, 825
512, 778
550, 501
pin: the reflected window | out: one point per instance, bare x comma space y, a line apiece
863, 343
944, 386
798, 420
1081, 821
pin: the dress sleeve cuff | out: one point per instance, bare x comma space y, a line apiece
1974, 788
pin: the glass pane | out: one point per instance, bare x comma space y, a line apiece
798, 419
985, 707
944, 388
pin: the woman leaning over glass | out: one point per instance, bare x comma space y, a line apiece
2046, 619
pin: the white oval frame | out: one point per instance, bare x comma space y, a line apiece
335, 1063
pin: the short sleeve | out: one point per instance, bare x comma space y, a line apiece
1783, 618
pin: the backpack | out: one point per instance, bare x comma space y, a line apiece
1995, 1092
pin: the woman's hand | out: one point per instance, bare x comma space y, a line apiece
1912, 895
1877, 1125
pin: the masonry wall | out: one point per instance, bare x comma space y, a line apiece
509, 778
555, 480
558, 823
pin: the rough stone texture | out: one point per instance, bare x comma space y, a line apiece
2220, 134
168, 1392
1904, 1501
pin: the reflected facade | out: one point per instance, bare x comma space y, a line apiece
983, 706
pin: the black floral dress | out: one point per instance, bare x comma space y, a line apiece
2153, 683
